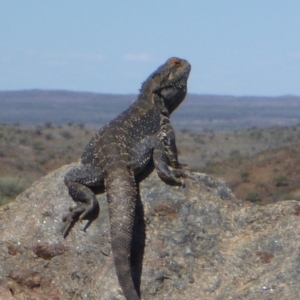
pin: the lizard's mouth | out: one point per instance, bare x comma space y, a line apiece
172, 86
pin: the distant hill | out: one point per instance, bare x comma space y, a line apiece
198, 113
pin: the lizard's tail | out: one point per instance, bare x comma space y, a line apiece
121, 197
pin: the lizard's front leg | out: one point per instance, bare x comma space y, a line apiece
167, 138
162, 164
79, 182
165, 154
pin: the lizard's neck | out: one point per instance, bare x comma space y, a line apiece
152, 99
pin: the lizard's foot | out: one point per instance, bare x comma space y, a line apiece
180, 172
183, 173
82, 211
176, 178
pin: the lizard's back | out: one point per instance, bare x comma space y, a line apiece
127, 131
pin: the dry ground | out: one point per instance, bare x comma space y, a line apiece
260, 165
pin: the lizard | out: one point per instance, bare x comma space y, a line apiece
139, 137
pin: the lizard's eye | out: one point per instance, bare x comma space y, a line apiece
175, 62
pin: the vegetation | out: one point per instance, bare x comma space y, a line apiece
10, 188
281, 180
253, 196
225, 136
198, 114
29, 152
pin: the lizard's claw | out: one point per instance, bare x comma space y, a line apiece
71, 218
80, 212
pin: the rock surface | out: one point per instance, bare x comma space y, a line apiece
196, 242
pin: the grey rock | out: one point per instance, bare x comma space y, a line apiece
197, 242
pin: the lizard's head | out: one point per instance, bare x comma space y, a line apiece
169, 82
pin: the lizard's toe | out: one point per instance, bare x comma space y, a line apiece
81, 212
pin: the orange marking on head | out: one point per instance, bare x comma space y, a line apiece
175, 61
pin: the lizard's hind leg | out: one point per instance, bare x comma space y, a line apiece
79, 181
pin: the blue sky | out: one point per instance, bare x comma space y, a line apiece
235, 47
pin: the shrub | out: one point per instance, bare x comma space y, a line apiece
49, 136
245, 176
38, 130
253, 196
10, 188
281, 180
262, 184
20, 165
184, 130
2, 153
48, 124
199, 139
288, 196
234, 153
23, 141
46, 157
38, 145
66, 134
